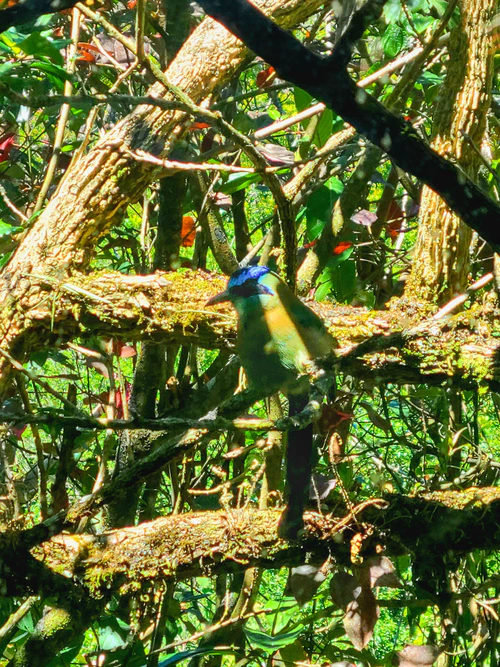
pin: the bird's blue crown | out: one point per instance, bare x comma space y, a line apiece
241, 276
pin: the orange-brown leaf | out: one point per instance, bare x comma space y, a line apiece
188, 231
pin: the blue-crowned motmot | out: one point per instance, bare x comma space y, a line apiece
280, 340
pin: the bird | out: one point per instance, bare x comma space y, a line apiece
279, 339
281, 343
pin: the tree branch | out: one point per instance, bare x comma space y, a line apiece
187, 545
327, 80
170, 307
29, 10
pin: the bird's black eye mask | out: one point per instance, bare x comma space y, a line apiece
250, 288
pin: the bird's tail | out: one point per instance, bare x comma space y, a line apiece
298, 474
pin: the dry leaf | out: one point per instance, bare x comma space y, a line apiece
304, 581
416, 656
344, 588
276, 155
364, 217
360, 618
378, 571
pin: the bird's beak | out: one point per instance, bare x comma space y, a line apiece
219, 298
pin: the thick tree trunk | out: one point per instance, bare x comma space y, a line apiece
441, 263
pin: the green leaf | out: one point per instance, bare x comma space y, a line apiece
440, 5
335, 185
338, 278
39, 358
8, 230
430, 79
321, 202
176, 658
4, 68
66, 655
392, 11
393, 40
13, 38
302, 99
58, 73
421, 23
324, 128
324, 288
345, 281
27, 623
271, 643
237, 182
314, 228
5, 258
37, 45
5, 48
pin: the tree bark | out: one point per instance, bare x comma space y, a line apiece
170, 308
189, 545
440, 268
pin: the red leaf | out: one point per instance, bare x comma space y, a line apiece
344, 588
87, 52
341, 247
131, 4
188, 231
6, 143
395, 212
199, 125
265, 77
304, 581
18, 430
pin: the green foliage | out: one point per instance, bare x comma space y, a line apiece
397, 438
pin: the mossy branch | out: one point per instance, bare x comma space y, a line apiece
187, 545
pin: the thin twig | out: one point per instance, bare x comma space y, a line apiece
35, 378
42, 470
12, 206
64, 112
462, 298
174, 166
10, 625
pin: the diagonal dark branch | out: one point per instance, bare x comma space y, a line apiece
29, 10
327, 80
